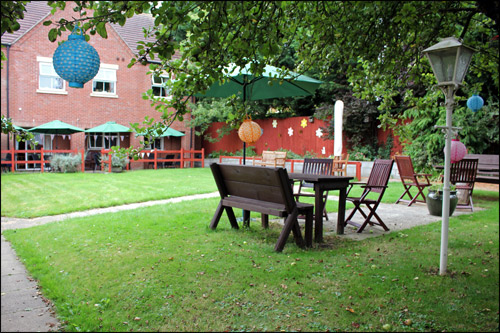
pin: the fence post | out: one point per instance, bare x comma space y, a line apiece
109, 162
182, 158
156, 156
13, 165
83, 160
41, 159
202, 157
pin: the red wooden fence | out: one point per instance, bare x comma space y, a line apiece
186, 157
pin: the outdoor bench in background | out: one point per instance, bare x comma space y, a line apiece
487, 169
264, 190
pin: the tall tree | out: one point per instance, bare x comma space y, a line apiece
376, 45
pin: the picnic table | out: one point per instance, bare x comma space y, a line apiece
324, 183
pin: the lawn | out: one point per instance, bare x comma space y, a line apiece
162, 269
40, 194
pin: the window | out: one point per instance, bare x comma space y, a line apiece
159, 86
105, 82
157, 143
48, 80
104, 140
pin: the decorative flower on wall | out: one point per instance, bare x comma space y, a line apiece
323, 151
319, 133
303, 123
290, 131
275, 123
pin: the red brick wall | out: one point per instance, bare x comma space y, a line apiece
29, 108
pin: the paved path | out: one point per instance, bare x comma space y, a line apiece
25, 310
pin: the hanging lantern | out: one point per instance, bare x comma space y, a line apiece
458, 150
249, 131
475, 103
75, 60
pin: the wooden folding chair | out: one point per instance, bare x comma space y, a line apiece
463, 176
411, 179
340, 165
315, 166
377, 183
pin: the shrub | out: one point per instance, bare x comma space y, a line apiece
118, 161
66, 163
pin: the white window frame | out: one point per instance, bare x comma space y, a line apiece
157, 142
163, 85
46, 70
103, 141
106, 74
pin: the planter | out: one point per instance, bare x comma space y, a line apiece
116, 169
435, 202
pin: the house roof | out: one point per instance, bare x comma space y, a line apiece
37, 11
132, 31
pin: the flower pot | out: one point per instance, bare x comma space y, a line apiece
116, 169
435, 202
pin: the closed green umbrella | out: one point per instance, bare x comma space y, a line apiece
56, 127
109, 127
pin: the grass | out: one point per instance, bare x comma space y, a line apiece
162, 269
41, 194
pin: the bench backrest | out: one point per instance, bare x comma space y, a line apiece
254, 182
273, 158
484, 159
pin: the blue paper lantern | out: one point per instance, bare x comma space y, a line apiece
76, 61
475, 103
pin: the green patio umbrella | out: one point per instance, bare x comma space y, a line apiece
265, 86
168, 132
56, 127
109, 127
268, 85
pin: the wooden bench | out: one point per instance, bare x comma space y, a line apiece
272, 158
264, 190
487, 169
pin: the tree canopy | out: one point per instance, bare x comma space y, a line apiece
373, 47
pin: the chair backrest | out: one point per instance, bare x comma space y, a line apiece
317, 166
280, 157
464, 171
380, 174
340, 164
405, 167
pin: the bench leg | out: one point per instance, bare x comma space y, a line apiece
291, 224
218, 214
265, 221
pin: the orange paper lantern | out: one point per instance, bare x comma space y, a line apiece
249, 131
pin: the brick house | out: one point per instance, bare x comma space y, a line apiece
33, 94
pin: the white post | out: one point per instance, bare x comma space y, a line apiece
449, 101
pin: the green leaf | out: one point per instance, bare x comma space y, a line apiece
53, 34
101, 29
47, 23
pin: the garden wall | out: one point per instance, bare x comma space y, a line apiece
296, 134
